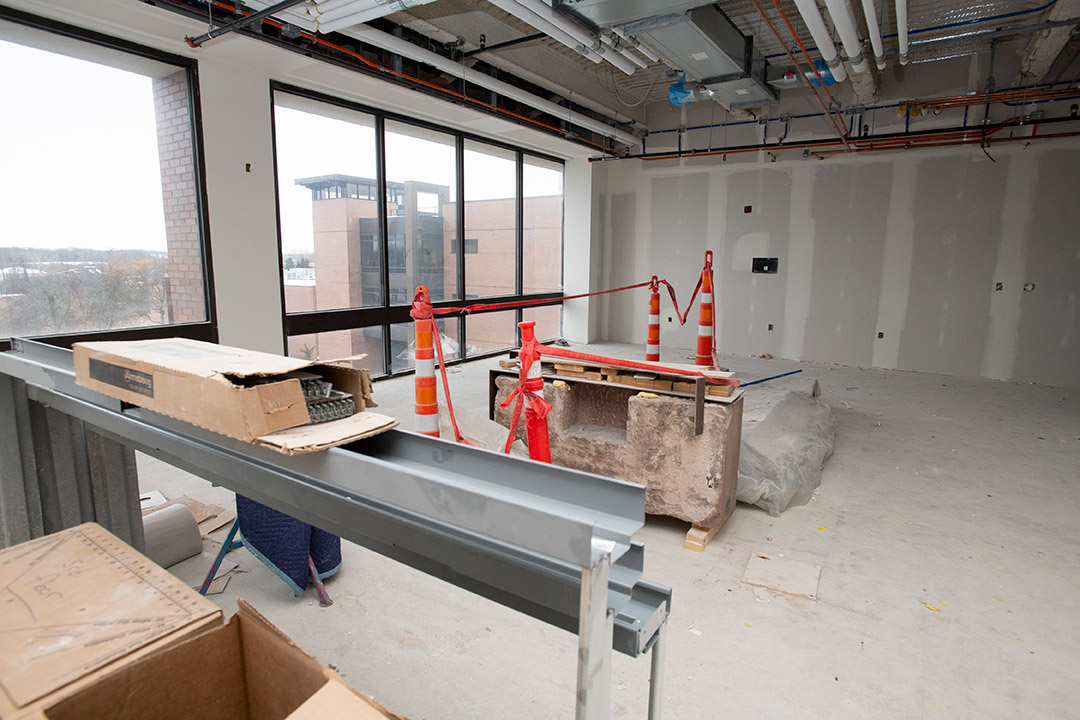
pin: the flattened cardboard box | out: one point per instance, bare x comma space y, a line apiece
77, 605
240, 393
245, 669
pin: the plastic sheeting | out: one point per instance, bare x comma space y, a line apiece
787, 435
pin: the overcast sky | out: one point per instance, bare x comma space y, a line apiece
76, 138
79, 146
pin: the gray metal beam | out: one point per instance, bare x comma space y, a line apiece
515, 531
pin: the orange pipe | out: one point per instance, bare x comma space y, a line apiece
840, 128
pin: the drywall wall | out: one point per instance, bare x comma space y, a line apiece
908, 245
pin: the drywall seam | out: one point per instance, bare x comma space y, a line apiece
999, 356
896, 266
799, 263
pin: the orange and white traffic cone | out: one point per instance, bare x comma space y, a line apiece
705, 320
427, 400
652, 341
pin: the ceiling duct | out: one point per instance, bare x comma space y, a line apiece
705, 44
608, 13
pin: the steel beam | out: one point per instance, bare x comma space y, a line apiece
518, 532
550, 542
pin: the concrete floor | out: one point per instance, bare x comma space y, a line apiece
955, 493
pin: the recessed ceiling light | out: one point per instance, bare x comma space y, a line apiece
699, 56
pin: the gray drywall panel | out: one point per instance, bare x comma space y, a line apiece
958, 202
1048, 347
623, 243
752, 301
896, 263
849, 208
679, 236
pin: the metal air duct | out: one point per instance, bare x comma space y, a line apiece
705, 44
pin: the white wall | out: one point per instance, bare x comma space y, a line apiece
909, 245
235, 74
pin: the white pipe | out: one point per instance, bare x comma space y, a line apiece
844, 23
816, 25
542, 10
637, 45
328, 5
526, 15
406, 48
902, 29
616, 45
347, 10
370, 8
875, 33
358, 17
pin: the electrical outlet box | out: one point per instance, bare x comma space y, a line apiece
766, 265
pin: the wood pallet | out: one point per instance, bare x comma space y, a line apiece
664, 382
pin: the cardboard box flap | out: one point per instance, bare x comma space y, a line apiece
198, 358
279, 676
73, 602
335, 701
311, 438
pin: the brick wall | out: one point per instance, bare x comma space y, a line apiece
186, 296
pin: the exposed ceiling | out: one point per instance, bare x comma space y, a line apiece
939, 30
587, 54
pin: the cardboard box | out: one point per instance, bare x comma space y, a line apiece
240, 393
77, 605
245, 669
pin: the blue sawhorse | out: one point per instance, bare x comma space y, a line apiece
231, 543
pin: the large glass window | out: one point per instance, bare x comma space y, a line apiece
542, 226
99, 189
370, 209
421, 187
490, 220
328, 206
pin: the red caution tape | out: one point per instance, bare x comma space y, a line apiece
526, 303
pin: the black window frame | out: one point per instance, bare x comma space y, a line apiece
386, 315
206, 330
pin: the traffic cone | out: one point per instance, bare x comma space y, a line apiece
652, 342
705, 320
427, 401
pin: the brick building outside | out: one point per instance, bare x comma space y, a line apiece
422, 250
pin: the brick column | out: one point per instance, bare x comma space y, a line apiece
174, 135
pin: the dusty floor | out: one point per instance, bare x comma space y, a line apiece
953, 493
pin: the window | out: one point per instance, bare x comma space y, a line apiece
542, 227
357, 261
491, 216
472, 247
327, 209
421, 167
100, 190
